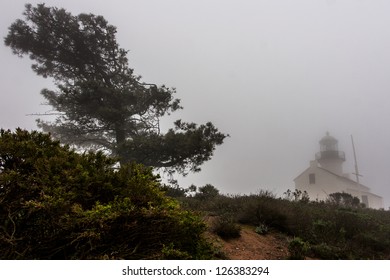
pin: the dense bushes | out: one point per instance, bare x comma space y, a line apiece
58, 204
325, 230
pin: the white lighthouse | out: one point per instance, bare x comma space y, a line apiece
325, 176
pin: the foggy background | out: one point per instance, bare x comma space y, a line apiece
274, 74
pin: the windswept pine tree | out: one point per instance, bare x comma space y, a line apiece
99, 100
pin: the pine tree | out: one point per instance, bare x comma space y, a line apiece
100, 102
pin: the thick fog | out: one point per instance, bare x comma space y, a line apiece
274, 74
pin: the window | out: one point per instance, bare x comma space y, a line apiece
312, 178
365, 200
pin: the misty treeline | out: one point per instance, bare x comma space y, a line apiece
99, 102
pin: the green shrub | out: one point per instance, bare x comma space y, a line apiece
297, 196
371, 241
58, 204
323, 231
170, 253
262, 209
174, 191
298, 249
327, 252
226, 228
344, 199
207, 192
262, 229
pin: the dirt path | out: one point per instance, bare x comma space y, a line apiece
253, 246
250, 245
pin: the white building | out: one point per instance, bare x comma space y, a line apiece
325, 176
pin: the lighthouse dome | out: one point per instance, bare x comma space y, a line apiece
329, 156
328, 143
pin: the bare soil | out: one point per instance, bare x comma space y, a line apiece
252, 246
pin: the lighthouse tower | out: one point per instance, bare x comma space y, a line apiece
329, 157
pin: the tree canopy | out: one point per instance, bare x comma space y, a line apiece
59, 204
99, 100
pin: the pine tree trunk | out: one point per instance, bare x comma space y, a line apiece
120, 137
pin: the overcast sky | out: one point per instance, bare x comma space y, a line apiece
274, 74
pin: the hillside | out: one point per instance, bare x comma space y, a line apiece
262, 226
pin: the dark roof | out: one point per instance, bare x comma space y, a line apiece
328, 140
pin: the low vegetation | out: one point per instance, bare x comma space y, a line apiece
59, 204
340, 228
